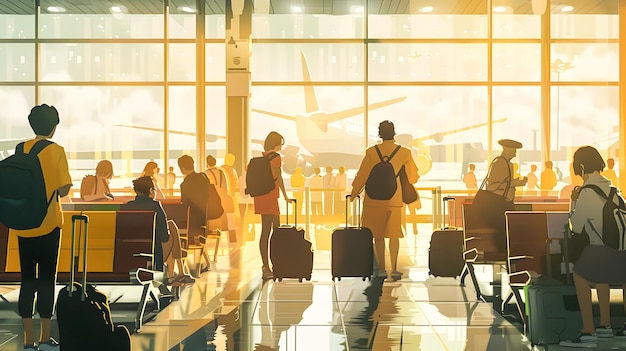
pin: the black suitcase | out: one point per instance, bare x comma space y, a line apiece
445, 255
352, 250
290, 251
552, 307
83, 315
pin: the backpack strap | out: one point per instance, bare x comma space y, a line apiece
39, 145
599, 191
271, 155
393, 153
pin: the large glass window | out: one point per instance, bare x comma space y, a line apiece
428, 62
18, 22
18, 62
107, 123
326, 62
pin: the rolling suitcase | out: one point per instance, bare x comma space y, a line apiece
352, 250
445, 255
83, 315
290, 251
552, 308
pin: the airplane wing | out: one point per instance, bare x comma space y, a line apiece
322, 120
438, 137
274, 114
209, 137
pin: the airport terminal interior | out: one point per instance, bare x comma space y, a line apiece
139, 81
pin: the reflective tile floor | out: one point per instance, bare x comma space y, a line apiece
230, 308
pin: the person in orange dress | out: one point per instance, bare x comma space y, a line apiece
267, 205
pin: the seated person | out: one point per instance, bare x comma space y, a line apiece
96, 187
144, 201
173, 254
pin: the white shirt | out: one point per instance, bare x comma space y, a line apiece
586, 212
315, 182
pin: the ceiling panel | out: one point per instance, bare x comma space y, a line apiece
328, 7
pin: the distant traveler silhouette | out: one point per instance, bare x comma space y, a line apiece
531, 185
341, 180
171, 179
297, 182
315, 185
151, 170
328, 183
233, 217
548, 179
218, 177
384, 217
609, 173
470, 180
194, 194
267, 205
39, 247
96, 187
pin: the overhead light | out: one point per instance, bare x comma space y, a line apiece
567, 8
427, 9
186, 9
118, 9
499, 9
55, 9
296, 9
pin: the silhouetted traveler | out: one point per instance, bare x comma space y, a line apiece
328, 181
609, 173
219, 179
548, 179
384, 217
152, 170
315, 186
297, 182
267, 205
193, 193
171, 179
470, 180
39, 247
531, 185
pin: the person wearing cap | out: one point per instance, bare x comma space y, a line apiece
500, 178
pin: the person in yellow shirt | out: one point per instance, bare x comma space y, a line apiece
548, 179
39, 247
609, 173
297, 181
384, 217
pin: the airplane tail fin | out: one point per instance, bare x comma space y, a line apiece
309, 91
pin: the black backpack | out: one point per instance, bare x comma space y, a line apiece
23, 200
259, 177
613, 217
381, 183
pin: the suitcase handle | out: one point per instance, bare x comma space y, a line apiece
85, 219
445, 204
358, 209
295, 212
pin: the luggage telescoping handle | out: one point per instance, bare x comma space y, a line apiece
358, 209
295, 212
73, 262
445, 204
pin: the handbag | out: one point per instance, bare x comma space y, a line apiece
214, 209
487, 201
576, 243
409, 194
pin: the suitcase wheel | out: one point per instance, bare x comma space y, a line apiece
280, 279
300, 280
364, 278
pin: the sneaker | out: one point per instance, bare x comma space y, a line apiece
395, 275
50, 345
380, 274
604, 332
584, 340
30, 348
267, 274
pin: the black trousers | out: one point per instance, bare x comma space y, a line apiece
38, 260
